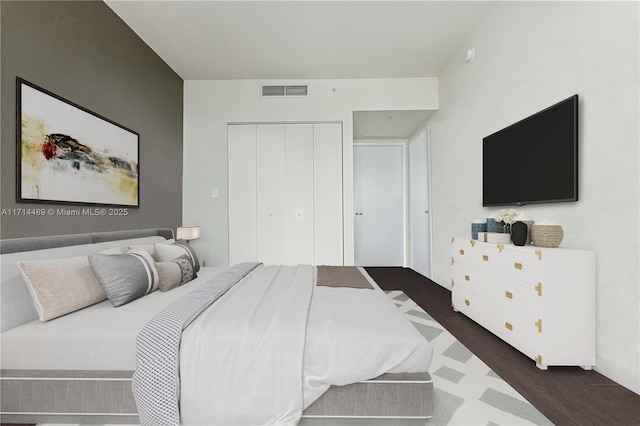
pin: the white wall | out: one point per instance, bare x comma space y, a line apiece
210, 105
530, 55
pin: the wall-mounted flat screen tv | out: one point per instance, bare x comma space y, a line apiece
534, 160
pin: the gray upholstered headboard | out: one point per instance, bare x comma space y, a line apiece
39, 243
16, 305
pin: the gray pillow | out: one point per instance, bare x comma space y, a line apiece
125, 277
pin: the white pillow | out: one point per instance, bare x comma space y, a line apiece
168, 252
61, 286
149, 247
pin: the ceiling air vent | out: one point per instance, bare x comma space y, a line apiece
280, 90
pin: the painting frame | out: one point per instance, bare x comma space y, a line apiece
68, 154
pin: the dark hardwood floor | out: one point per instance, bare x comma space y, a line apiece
565, 395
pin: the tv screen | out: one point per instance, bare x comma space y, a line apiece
534, 160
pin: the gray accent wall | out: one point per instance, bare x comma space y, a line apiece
82, 51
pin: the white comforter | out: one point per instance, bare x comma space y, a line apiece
275, 342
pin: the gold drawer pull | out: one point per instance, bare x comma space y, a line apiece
462, 252
485, 257
509, 326
466, 302
517, 265
508, 294
466, 277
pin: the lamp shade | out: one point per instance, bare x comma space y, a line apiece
188, 232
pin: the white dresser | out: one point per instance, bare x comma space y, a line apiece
539, 300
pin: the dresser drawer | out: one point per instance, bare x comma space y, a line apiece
473, 253
518, 332
462, 251
522, 265
519, 265
516, 297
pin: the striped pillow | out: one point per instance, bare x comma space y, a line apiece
125, 277
175, 273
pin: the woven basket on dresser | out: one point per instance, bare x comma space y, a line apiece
546, 235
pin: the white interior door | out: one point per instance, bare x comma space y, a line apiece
420, 237
378, 203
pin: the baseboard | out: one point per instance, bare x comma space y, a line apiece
618, 374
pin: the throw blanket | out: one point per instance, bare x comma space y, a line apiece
342, 276
241, 362
156, 383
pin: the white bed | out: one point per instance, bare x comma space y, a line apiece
95, 347
99, 337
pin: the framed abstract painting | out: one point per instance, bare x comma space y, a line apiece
70, 155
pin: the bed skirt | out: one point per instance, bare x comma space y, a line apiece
73, 396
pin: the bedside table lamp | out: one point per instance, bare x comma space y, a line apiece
188, 233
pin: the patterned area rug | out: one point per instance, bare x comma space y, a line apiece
467, 391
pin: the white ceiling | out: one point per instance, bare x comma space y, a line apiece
211, 40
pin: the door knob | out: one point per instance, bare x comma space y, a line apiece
359, 213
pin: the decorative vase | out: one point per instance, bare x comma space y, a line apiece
519, 231
522, 217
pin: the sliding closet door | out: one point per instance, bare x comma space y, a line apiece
271, 193
242, 162
327, 193
299, 230
285, 193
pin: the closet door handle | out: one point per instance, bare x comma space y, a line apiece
359, 213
